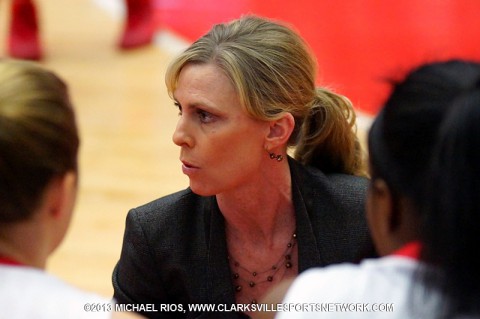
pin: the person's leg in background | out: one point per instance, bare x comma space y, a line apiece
24, 34
139, 29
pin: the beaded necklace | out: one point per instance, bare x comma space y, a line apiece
259, 277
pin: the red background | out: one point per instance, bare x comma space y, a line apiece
358, 43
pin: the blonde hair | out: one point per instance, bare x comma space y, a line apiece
273, 71
38, 136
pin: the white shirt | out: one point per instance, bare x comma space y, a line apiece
377, 288
30, 293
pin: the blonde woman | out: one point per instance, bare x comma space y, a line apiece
253, 215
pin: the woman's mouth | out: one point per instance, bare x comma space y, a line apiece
188, 168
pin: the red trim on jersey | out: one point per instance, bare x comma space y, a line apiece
409, 250
9, 261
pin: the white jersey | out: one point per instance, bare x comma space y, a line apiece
28, 293
377, 288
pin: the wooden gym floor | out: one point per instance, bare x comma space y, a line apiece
126, 120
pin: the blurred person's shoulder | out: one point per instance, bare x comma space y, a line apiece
28, 292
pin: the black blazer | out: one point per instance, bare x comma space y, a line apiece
174, 249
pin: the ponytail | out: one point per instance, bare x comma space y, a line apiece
328, 139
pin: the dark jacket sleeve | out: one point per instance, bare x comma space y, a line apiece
164, 256
134, 275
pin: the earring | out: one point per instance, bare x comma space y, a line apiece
279, 157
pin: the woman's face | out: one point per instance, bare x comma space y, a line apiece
222, 147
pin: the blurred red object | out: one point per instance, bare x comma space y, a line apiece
24, 38
139, 27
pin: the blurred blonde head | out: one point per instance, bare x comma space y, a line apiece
38, 136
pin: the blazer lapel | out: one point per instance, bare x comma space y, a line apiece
304, 201
219, 276
308, 253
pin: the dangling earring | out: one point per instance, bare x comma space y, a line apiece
278, 157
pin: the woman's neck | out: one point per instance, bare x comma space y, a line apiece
260, 210
260, 235
20, 242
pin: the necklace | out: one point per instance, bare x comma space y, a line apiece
264, 276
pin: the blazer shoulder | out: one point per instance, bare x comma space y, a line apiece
348, 183
176, 206
345, 192
335, 205
332, 182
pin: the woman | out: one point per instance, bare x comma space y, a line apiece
252, 215
401, 144
38, 183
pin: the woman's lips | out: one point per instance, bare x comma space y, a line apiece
188, 168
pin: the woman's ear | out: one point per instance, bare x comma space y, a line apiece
280, 131
380, 215
60, 195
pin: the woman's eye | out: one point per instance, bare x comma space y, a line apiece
204, 116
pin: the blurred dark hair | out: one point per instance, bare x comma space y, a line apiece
403, 135
451, 237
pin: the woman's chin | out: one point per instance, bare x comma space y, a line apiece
201, 190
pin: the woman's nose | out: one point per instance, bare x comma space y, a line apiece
181, 136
